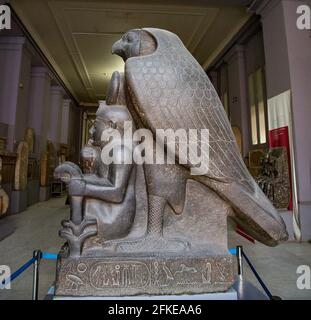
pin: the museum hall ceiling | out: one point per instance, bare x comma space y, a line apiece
76, 36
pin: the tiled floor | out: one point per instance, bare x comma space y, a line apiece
37, 228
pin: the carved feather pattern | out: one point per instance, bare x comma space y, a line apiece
170, 90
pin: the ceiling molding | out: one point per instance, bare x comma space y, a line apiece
225, 41
61, 11
82, 33
202, 29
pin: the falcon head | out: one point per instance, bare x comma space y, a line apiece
134, 43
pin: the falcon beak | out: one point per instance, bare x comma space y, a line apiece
117, 48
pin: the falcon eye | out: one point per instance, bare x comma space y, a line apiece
129, 38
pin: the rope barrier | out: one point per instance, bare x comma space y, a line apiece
25, 266
49, 256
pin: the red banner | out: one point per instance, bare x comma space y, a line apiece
280, 138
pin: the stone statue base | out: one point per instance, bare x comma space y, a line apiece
231, 294
129, 275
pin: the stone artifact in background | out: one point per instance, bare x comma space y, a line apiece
4, 199
30, 139
274, 179
157, 229
63, 153
47, 165
21, 167
254, 161
2, 144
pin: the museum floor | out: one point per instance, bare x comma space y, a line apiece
37, 228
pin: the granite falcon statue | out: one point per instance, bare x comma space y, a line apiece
168, 89
175, 240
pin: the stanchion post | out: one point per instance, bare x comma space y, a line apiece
35, 285
239, 256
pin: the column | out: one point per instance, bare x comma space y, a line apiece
11, 49
38, 117
23, 96
55, 123
237, 83
213, 76
71, 127
65, 121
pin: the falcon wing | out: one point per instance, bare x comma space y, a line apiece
170, 90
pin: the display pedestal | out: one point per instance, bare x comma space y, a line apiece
231, 294
18, 201
241, 290
45, 193
33, 192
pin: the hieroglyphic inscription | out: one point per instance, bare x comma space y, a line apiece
122, 274
153, 275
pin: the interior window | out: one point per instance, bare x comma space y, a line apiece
257, 107
225, 102
252, 109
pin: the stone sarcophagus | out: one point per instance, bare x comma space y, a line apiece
150, 227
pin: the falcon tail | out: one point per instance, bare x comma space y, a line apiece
253, 212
